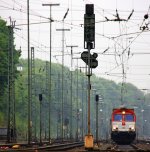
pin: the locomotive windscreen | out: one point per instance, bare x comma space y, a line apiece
129, 117
117, 117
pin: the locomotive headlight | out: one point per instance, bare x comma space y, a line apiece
115, 127
123, 112
131, 127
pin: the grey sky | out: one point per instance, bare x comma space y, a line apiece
117, 37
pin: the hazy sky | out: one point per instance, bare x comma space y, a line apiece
127, 45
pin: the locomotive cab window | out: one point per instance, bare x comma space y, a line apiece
129, 117
117, 117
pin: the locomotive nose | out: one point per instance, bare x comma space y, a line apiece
123, 123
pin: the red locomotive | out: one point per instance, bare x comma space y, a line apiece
123, 125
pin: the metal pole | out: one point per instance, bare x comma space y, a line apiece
12, 91
82, 106
71, 46
29, 80
47, 92
10, 99
59, 115
86, 105
77, 104
11, 132
40, 122
50, 81
89, 141
89, 88
71, 97
50, 5
13, 87
63, 32
9, 88
62, 131
97, 122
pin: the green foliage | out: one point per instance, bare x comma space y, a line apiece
2, 121
3, 56
4, 51
4, 59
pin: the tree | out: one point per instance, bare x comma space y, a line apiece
4, 51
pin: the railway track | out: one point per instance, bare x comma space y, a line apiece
45, 148
127, 148
79, 146
63, 147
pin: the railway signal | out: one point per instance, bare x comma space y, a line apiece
96, 97
93, 61
89, 26
90, 60
40, 97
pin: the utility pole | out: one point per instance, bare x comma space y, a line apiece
89, 90
29, 76
50, 5
82, 106
59, 113
11, 126
71, 115
97, 100
63, 35
47, 93
40, 100
33, 104
77, 105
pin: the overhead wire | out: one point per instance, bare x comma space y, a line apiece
71, 24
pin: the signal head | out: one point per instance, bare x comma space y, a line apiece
95, 55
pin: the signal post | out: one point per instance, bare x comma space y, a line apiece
90, 60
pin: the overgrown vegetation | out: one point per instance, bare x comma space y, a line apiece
4, 65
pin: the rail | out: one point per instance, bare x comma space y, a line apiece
56, 147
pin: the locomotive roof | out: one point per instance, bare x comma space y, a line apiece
116, 110
123, 109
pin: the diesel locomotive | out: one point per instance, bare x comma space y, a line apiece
123, 125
